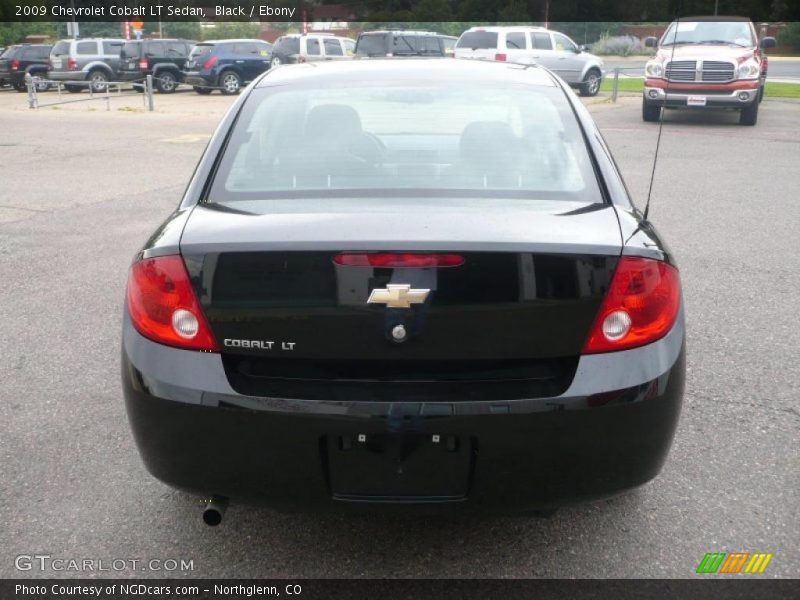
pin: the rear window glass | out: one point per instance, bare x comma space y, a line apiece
60, 48
175, 49
86, 48
131, 49
515, 40
10, 52
201, 50
416, 139
288, 46
477, 40
372, 45
156, 48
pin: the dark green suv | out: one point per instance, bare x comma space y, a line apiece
163, 59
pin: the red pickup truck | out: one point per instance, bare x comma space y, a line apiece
707, 62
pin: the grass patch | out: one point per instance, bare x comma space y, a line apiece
773, 89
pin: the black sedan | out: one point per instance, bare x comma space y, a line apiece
404, 282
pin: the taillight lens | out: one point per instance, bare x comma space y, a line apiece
210, 63
163, 305
398, 260
72, 64
500, 57
143, 64
14, 64
640, 307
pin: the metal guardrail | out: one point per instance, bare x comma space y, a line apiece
615, 84
33, 84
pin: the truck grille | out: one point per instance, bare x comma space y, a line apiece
681, 70
717, 71
711, 71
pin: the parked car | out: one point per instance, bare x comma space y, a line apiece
401, 43
706, 63
404, 282
95, 61
535, 45
226, 64
25, 60
299, 48
163, 59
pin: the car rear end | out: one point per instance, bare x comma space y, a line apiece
133, 65
9, 65
202, 66
64, 63
286, 50
482, 44
307, 344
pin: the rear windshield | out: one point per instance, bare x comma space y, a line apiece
372, 45
288, 46
131, 49
421, 139
477, 40
60, 48
9, 52
201, 50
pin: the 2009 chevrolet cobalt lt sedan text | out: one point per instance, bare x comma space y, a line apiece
417, 282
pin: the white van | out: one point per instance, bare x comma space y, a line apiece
535, 45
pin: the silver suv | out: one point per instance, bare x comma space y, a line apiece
95, 61
535, 45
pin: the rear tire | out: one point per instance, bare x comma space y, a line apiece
276, 62
166, 82
591, 83
749, 115
230, 82
74, 89
202, 91
760, 94
98, 81
650, 112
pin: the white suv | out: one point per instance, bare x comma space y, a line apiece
300, 48
535, 45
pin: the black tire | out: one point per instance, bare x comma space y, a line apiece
760, 94
202, 90
275, 62
749, 115
591, 83
98, 80
74, 89
230, 83
650, 112
166, 82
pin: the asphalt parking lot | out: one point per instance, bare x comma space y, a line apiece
80, 190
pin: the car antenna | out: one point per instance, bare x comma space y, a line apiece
661, 117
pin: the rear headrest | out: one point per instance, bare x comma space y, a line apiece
332, 121
489, 142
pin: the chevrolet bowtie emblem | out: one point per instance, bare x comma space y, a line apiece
398, 296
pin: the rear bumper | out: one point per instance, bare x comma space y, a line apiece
194, 78
609, 432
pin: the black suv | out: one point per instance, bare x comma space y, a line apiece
163, 59
25, 59
404, 43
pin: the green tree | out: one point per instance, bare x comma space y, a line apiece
223, 30
12, 32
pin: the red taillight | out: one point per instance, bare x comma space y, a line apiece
398, 260
143, 64
500, 57
72, 64
210, 63
163, 305
14, 64
640, 307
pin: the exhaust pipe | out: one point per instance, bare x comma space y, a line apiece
214, 510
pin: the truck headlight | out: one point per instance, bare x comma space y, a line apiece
749, 69
653, 68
